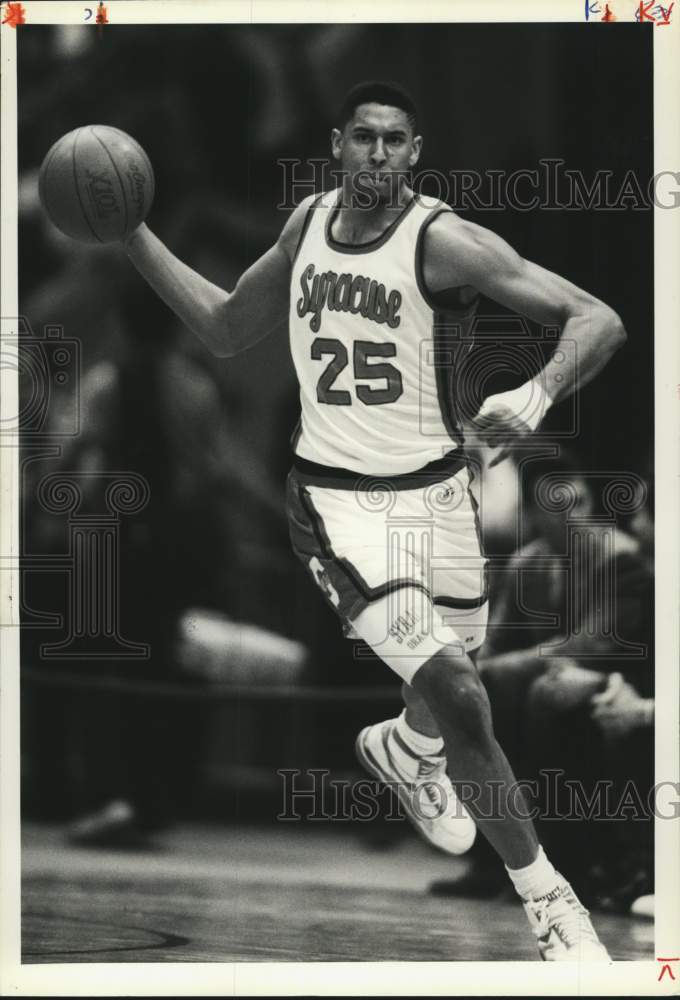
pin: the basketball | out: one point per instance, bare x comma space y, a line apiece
96, 184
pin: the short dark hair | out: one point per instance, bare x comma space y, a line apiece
377, 92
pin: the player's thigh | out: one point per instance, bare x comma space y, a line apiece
405, 629
378, 580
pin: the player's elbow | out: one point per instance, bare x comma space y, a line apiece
217, 332
613, 331
606, 326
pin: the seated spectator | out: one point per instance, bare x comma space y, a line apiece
153, 410
587, 713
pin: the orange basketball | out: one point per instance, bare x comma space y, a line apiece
96, 184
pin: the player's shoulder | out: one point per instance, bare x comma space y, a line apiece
457, 250
448, 231
292, 232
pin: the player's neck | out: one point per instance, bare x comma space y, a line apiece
355, 224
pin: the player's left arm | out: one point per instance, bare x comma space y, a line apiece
463, 254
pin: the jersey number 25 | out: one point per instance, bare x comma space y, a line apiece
363, 350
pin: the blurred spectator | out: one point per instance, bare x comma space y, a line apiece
573, 714
152, 410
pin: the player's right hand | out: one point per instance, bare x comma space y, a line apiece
507, 417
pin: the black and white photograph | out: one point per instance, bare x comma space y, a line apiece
340, 499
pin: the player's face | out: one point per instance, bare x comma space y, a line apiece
377, 149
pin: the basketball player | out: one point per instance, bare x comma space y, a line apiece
358, 275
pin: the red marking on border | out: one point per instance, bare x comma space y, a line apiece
666, 19
101, 18
608, 16
642, 11
14, 15
666, 968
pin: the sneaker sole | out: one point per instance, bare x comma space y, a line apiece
370, 764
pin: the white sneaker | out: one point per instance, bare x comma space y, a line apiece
563, 928
422, 784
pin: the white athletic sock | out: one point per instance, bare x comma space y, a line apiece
537, 879
420, 744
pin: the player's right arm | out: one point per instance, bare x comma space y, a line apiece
226, 322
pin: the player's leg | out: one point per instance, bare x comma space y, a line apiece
457, 699
408, 632
410, 749
457, 577
450, 686
409, 761
417, 715
442, 677
442, 673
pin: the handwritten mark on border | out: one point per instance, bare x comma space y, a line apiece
666, 967
643, 12
14, 15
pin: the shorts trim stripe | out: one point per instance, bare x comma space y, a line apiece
462, 603
315, 474
367, 594
478, 527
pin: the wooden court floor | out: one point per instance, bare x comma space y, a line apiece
293, 893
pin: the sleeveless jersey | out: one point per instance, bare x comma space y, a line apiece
374, 356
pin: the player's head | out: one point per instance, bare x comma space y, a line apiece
375, 139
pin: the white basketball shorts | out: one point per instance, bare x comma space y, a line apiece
399, 558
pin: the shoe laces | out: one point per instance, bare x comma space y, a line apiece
432, 777
566, 916
428, 766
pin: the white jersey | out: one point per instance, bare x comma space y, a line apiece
366, 339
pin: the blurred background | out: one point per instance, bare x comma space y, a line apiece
248, 670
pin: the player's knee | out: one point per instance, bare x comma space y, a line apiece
450, 684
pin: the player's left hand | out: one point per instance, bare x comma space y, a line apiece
507, 417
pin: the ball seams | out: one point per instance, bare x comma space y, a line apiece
120, 181
143, 153
75, 181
